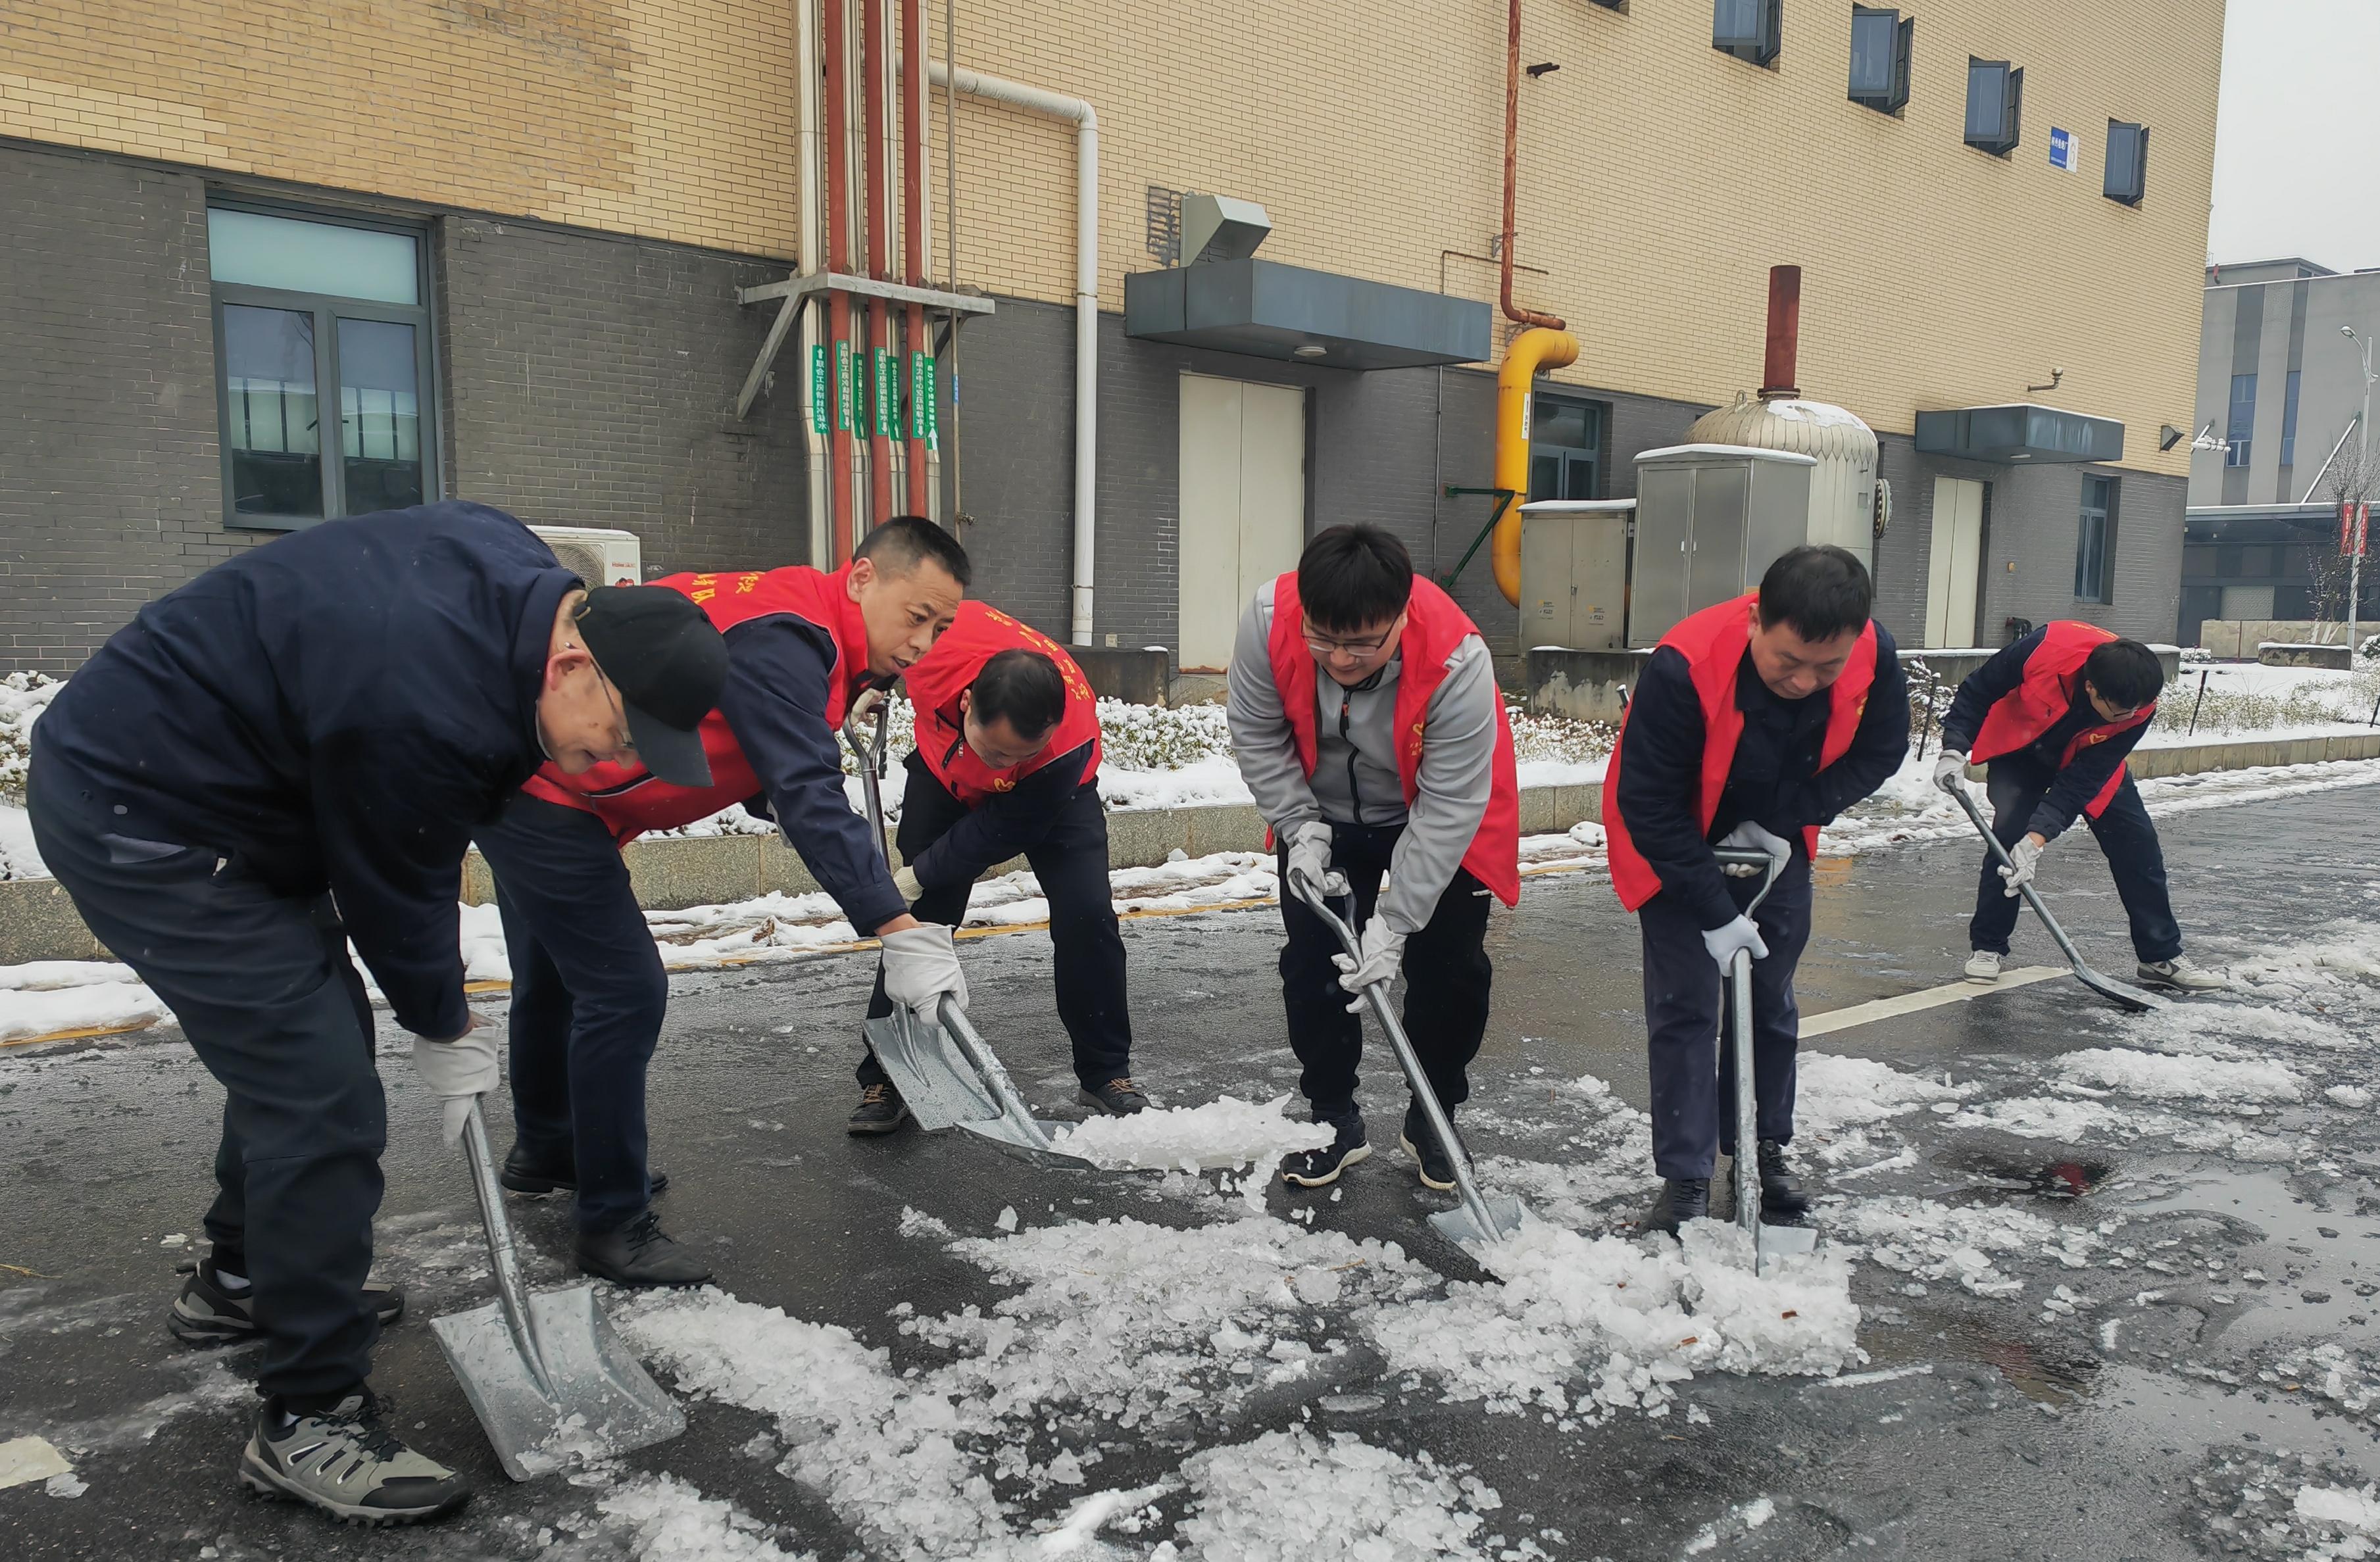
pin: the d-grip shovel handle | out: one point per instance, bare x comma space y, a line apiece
870, 755
1773, 867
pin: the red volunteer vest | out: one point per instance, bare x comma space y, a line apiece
935, 682
1433, 628
630, 799
2053, 680
1713, 642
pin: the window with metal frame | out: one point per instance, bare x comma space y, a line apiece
1995, 105
2243, 419
2128, 161
2290, 421
1566, 448
320, 318
2094, 546
1880, 40
1749, 29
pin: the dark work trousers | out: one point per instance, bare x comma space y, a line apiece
1087, 946
1446, 969
2015, 784
1686, 1019
589, 994
269, 1000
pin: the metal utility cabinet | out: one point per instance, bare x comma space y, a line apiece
1574, 573
1710, 519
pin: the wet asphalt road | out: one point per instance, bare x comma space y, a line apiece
2026, 1438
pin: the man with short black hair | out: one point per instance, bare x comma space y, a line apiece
2053, 717
289, 752
1365, 716
588, 992
1006, 765
1754, 722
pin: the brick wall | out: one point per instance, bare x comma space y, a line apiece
110, 478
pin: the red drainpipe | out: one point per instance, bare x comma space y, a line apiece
1784, 334
1511, 142
913, 223
838, 258
880, 219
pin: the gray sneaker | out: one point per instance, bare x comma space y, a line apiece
2181, 975
346, 1461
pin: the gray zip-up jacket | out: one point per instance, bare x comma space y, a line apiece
1354, 777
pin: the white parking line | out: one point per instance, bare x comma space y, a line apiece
1930, 997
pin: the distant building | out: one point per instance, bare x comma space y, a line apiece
2280, 388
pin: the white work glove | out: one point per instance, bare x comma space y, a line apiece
921, 963
905, 879
2026, 855
459, 1072
1725, 939
1950, 770
1750, 836
1383, 956
1309, 857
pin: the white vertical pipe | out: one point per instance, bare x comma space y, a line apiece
1057, 105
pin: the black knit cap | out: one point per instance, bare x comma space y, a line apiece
660, 651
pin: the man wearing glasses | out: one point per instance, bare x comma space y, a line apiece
1365, 718
588, 991
2053, 716
289, 752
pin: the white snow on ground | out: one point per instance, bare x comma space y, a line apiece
1936, 1241
1832, 1094
2161, 1077
114, 1004
2356, 1509
1607, 1149
1327, 1499
19, 856
665, 1520
1224, 1133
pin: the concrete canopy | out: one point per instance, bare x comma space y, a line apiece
1266, 309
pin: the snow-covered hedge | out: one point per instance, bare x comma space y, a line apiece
22, 698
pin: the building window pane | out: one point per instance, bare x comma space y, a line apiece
271, 416
257, 250
2128, 161
2094, 539
2290, 421
1995, 104
1747, 29
380, 416
1879, 58
2242, 420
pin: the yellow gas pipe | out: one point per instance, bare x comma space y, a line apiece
1530, 352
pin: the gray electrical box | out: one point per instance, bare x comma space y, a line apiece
1574, 573
1710, 519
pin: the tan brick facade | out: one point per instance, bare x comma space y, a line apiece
1658, 177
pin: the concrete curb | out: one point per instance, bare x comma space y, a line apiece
38, 922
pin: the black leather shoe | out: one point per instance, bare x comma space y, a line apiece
1320, 1168
1782, 1198
880, 1111
640, 1254
527, 1173
1118, 1098
1436, 1169
1683, 1199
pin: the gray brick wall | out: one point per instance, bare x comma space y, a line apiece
109, 473
585, 379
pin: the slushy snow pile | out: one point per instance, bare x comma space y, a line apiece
1832, 1094
2160, 1077
1225, 1133
1327, 1499
665, 1520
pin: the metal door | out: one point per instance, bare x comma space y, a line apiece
1715, 562
1954, 563
1665, 509
1242, 490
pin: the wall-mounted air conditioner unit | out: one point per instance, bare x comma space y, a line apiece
598, 556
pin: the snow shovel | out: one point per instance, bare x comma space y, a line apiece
2105, 987
1768, 1243
943, 1067
1479, 1221
547, 1375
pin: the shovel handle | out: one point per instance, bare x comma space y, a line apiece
1772, 869
1375, 996
2032, 897
870, 752
504, 1259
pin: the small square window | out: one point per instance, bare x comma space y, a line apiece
2128, 161
1880, 58
1747, 29
1995, 104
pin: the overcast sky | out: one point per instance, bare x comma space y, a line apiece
2295, 166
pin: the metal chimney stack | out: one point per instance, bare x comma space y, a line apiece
1784, 334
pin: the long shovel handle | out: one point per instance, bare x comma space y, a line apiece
870, 752
2032, 897
504, 1259
1745, 1175
1424, 1094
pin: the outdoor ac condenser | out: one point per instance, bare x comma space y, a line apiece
598, 556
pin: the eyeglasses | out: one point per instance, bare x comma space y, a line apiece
626, 735
1324, 645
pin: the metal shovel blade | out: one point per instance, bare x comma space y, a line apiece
599, 1401
1772, 1243
950, 1078
1462, 1228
